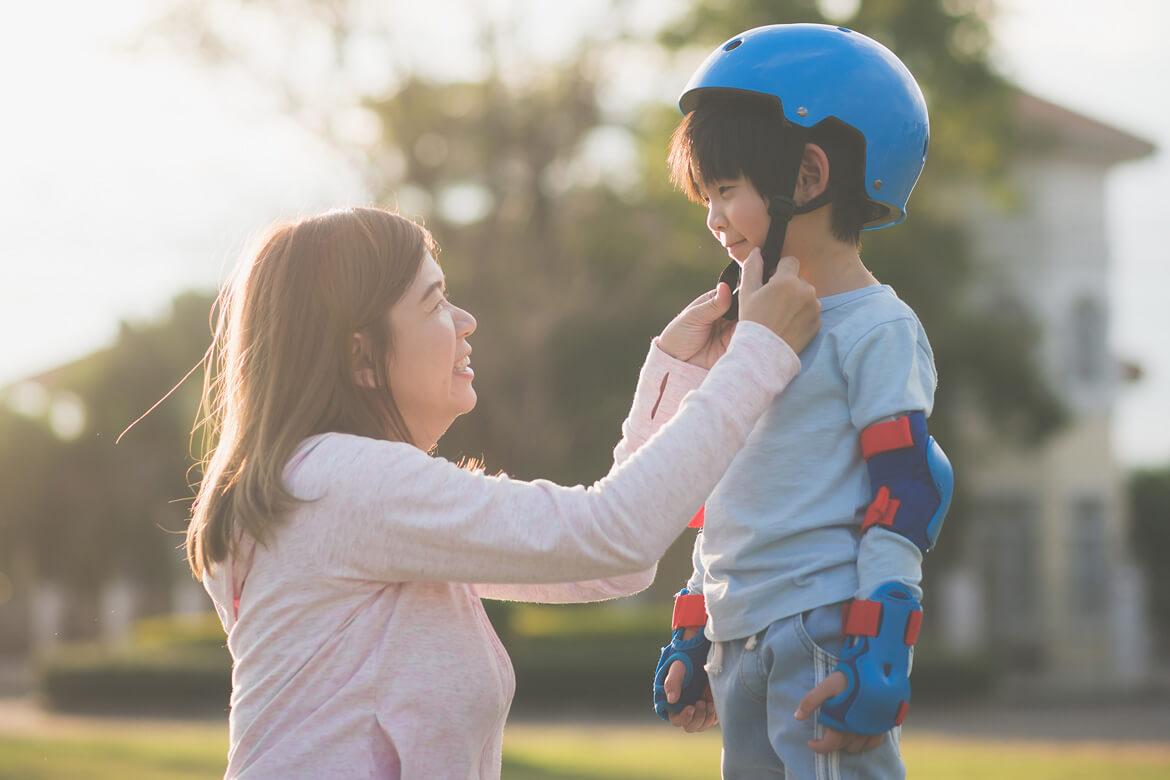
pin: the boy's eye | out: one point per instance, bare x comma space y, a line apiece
723, 189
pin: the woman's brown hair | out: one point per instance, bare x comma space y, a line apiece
280, 367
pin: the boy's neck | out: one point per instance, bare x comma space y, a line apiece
832, 267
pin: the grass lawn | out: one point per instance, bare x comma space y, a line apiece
562, 752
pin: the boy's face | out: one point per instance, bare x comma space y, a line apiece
736, 215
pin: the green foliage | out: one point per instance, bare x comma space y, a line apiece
180, 632
172, 663
572, 268
97, 678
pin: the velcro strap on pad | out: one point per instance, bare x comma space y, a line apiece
882, 510
885, 436
913, 626
690, 611
861, 618
875, 662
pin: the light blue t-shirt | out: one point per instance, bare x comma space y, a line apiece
782, 529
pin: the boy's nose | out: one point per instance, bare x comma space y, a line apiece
715, 221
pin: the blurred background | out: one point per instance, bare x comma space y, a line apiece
144, 144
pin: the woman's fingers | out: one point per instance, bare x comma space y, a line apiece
751, 276
786, 304
721, 301
710, 306
702, 299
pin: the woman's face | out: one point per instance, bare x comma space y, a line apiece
430, 375
736, 215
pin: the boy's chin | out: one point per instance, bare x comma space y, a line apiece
739, 253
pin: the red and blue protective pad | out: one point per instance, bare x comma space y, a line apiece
689, 612
876, 662
911, 478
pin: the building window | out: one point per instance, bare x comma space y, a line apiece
1009, 533
1087, 349
1087, 562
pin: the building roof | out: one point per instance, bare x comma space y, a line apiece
1069, 132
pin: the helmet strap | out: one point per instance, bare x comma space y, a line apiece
781, 209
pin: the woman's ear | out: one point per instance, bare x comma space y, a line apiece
814, 174
363, 371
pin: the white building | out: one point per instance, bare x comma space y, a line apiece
1047, 585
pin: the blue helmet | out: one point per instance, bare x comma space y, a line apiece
818, 72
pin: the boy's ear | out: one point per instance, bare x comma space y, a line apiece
814, 174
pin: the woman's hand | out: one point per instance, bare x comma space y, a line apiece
699, 334
787, 304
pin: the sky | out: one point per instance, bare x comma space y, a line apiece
128, 176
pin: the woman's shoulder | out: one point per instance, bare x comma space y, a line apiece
356, 463
325, 458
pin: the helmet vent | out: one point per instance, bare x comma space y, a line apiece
844, 29
733, 44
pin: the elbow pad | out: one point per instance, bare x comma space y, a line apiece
911, 478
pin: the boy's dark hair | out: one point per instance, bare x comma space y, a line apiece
739, 134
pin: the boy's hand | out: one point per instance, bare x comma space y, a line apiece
833, 740
699, 335
698, 716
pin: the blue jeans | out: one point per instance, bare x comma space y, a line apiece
757, 683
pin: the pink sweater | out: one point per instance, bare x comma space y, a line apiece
361, 648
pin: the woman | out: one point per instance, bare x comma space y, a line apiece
347, 563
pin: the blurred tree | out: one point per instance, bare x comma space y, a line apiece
80, 510
560, 233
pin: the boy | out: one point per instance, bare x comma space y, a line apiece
806, 590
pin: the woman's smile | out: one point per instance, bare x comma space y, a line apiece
463, 368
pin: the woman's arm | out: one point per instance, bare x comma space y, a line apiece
663, 383
400, 514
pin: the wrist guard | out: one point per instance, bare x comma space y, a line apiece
876, 662
690, 611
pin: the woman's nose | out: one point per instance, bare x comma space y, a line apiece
467, 323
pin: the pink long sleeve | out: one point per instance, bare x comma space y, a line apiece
662, 384
409, 516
